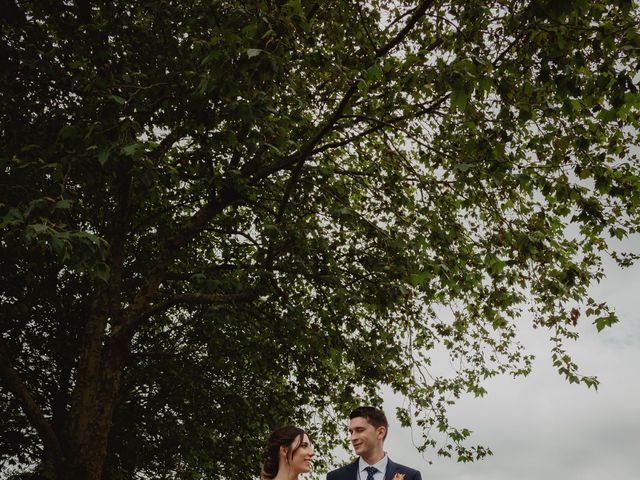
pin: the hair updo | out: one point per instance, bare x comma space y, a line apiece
280, 437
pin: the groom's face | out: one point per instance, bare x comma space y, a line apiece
365, 438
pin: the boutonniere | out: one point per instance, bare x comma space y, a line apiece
398, 476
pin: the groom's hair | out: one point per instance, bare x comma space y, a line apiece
374, 416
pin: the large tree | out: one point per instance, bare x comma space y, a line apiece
220, 216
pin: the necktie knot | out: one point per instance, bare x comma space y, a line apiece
370, 472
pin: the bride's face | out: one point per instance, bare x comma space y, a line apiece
301, 455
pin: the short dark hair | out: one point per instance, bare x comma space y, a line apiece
373, 415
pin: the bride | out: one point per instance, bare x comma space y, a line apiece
288, 453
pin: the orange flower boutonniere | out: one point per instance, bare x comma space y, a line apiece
398, 476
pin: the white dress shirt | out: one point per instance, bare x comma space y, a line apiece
381, 466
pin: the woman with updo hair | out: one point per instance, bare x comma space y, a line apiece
287, 454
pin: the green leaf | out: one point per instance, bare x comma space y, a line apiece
374, 73
38, 228
486, 84
119, 100
101, 271
132, 149
463, 167
103, 156
459, 99
606, 321
64, 204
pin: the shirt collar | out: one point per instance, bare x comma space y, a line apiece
381, 465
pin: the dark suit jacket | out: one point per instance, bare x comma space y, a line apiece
350, 472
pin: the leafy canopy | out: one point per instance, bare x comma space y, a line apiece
218, 216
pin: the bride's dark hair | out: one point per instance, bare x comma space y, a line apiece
280, 437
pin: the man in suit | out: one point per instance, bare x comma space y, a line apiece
368, 428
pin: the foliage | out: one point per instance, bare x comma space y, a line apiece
218, 217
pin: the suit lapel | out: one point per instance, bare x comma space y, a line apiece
354, 473
391, 470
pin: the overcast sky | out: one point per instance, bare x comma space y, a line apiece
542, 427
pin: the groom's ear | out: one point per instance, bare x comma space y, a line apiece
381, 432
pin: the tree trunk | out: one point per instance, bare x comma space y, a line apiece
92, 414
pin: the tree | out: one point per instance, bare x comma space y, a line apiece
221, 216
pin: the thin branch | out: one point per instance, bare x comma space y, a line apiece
307, 149
359, 215
504, 52
286, 197
397, 19
380, 125
364, 25
348, 140
224, 267
523, 34
293, 180
415, 17
200, 299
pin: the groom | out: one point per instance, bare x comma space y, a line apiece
368, 428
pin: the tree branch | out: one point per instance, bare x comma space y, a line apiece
201, 299
415, 17
120, 221
31, 409
363, 22
84, 11
379, 125
165, 144
185, 276
191, 227
348, 140
305, 151
289, 188
250, 170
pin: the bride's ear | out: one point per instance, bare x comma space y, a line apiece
283, 453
